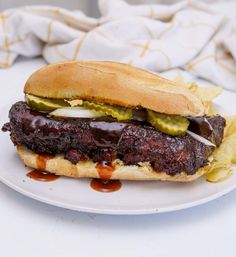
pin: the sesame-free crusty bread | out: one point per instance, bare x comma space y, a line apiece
113, 83
58, 165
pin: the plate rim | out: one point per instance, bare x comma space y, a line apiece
95, 210
117, 211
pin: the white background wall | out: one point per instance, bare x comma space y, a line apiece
90, 7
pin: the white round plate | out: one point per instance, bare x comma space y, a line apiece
133, 198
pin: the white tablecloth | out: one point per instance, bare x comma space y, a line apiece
193, 36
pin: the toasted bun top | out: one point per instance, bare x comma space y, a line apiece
113, 83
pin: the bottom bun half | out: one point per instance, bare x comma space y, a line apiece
87, 169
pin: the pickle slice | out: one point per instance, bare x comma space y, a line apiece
172, 125
44, 104
119, 113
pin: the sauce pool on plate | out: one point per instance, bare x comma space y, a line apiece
104, 184
40, 174
43, 176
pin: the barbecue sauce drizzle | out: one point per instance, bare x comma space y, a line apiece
105, 170
104, 184
105, 134
40, 174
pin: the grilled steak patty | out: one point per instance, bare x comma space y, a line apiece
105, 139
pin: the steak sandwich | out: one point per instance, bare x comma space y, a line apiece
83, 115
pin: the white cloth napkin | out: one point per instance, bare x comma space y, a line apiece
189, 35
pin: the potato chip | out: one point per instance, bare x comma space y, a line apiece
225, 154
181, 82
219, 174
223, 157
207, 94
230, 128
209, 108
